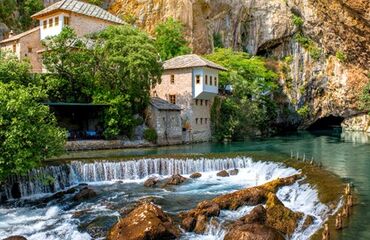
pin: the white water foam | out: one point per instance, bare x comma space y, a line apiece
54, 223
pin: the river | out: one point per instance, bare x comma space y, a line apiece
346, 154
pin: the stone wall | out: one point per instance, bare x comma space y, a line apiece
105, 144
167, 124
84, 25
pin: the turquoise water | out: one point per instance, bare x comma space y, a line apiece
346, 154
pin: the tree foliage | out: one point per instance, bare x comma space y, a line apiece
117, 66
71, 68
365, 97
249, 108
170, 40
28, 131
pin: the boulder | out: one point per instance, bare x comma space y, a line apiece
85, 194
253, 227
176, 179
253, 232
147, 221
15, 238
151, 182
233, 172
195, 175
196, 219
281, 217
223, 173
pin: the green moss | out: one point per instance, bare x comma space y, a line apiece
307, 43
304, 111
341, 56
150, 135
297, 21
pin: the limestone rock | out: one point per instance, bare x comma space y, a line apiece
151, 182
233, 172
253, 232
85, 194
195, 175
174, 180
147, 221
223, 173
15, 238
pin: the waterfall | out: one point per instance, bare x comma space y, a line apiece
52, 179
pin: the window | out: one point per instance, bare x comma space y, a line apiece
206, 80
172, 79
197, 78
56, 21
173, 99
206, 120
215, 81
45, 24
50, 22
206, 102
196, 102
210, 81
29, 49
196, 121
201, 102
201, 121
14, 48
66, 20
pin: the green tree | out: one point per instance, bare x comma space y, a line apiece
250, 107
170, 40
27, 8
7, 9
13, 70
365, 97
128, 66
71, 66
28, 131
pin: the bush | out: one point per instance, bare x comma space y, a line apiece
150, 135
365, 98
341, 56
304, 111
297, 21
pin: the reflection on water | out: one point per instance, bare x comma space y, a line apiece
346, 154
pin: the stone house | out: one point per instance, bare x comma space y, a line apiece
191, 82
83, 17
165, 118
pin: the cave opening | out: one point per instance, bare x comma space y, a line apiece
327, 123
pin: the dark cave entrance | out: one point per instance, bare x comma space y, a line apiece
327, 123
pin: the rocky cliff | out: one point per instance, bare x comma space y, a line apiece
324, 61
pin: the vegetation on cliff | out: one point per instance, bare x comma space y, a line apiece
28, 131
249, 108
365, 97
9, 9
170, 40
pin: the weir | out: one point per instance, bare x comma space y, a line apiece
52, 179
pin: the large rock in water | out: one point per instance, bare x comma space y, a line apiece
85, 194
281, 217
15, 238
253, 227
174, 180
193, 220
151, 182
147, 221
195, 175
223, 173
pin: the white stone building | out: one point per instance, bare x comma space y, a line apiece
191, 82
83, 17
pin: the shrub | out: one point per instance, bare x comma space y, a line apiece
304, 111
341, 56
150, 135
297, 20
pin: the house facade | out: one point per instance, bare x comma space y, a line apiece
83, 17
165, 118
191, 82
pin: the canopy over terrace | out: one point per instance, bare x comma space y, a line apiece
82, 120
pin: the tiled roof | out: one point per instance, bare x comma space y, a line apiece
80, 8
18, 36
161, 104
190, 61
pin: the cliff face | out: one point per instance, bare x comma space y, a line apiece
315, 81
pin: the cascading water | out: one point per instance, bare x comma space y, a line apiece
64, 176
119, 184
